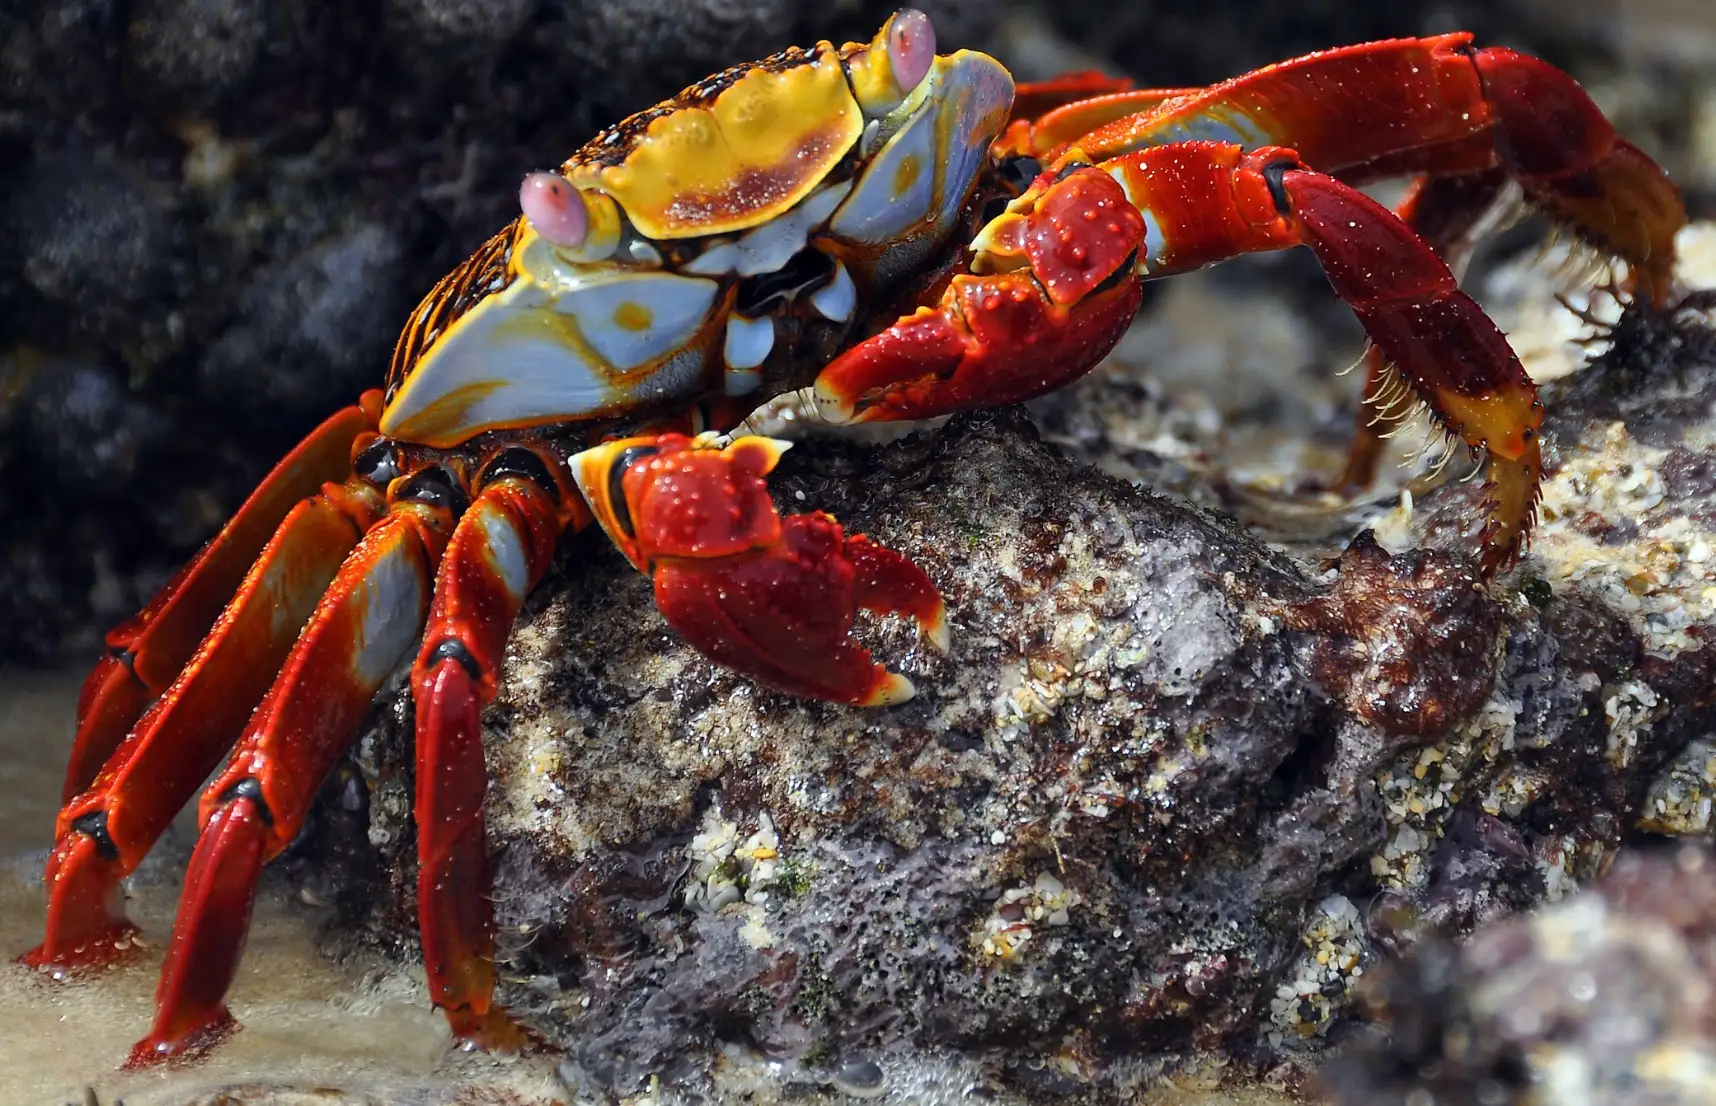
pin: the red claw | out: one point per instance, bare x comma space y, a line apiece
703, 503
769, 597
1067, 297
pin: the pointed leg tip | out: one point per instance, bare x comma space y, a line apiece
1511, 503
835, 408
112, 946
770, 449
893, 688
158, 1049
493, 1031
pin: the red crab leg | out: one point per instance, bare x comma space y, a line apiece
498, 553
1438, 105
1034, 99
145, 653
1444, 211
768, 597
105, 832
1048, 115
1200, 203
360, 632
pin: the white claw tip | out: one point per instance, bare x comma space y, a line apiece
935, 629
895, 689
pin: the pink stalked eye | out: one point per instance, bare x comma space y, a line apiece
911, 47
554, 208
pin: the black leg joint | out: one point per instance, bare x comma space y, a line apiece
1018, 171
616, 485
125, 655
1069, 169
1120, 273
250, 788
1273, 175
379, 464
94, 826
524, 464
437, 487
454, 650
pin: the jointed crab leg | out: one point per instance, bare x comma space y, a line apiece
1433, 105
146, 653
358, 635
498, 553
106, 831
1445, 212
1463, 120
1173, 208
1466, 119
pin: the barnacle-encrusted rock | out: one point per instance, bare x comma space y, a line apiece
1170, 796
1607, 998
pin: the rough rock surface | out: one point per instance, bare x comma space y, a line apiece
1607, 998
1171, 794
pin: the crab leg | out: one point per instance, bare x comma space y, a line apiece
1439, 341
1440, 106
1466, 119
359, 633
498, 553
1050, 114
1445, 212
1193, 204
105, 832
768, 597
146, 653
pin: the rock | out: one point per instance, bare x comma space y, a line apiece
1172, 794
631, 38
193, 54
1607, 997
90, 240
312, 324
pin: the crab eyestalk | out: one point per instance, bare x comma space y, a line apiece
555, 209
894, 64
580, 226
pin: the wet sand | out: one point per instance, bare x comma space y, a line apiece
368, 1031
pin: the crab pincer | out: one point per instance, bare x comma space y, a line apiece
770, 597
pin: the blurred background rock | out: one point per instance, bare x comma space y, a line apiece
214, 213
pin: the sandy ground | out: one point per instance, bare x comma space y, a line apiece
367, 1032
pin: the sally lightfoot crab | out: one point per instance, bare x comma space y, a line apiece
905, 234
